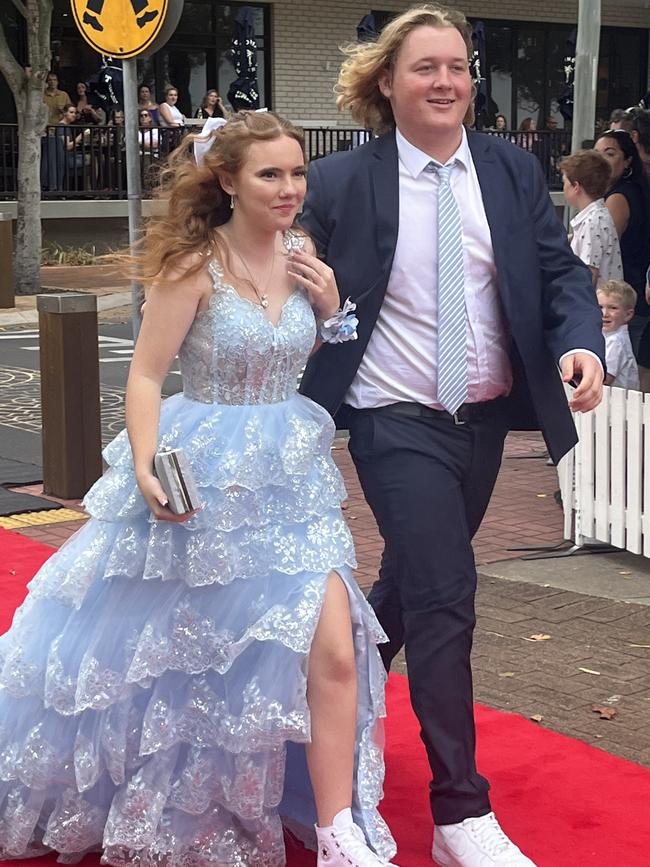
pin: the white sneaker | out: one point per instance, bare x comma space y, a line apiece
476, 843
343, 844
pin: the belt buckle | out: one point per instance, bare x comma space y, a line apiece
457, 419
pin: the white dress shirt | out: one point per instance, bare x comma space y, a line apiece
620, 359
595, 241
400, 361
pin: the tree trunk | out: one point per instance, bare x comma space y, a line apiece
28, 225
26, 84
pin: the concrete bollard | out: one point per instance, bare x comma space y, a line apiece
69, 393
7, 278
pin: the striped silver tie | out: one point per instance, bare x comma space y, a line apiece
452, 330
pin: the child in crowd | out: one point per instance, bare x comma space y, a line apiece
586, 179
617, 299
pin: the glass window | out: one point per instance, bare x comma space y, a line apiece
557, 48
621, 77
186, 70
197, 63
530, 74
498, 41
196, 18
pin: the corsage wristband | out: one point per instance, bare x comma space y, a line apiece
342, 326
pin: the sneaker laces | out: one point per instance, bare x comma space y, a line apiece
489, 835
353, 841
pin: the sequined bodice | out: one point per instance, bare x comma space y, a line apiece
233, 354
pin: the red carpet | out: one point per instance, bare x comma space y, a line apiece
20, 558
566, 803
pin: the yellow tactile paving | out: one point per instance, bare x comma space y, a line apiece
37, 519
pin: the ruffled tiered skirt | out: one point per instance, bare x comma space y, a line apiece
153, 684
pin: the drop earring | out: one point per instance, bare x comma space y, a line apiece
232, 202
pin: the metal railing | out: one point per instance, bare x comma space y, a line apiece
549, 146
79, 162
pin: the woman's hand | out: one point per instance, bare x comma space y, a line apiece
156, 499
319, 281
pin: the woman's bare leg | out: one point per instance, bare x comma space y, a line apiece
332, 698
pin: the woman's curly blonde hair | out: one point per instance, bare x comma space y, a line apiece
357, 88
196, 203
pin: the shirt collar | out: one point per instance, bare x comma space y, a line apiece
415, 161
584, 213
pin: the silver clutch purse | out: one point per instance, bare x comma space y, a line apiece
175, 476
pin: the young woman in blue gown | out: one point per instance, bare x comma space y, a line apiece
178, 690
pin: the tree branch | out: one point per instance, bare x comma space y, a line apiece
20, 6
9, 66
45, 26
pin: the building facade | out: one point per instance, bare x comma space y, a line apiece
298, 54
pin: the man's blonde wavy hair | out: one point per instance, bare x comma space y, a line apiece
357, 89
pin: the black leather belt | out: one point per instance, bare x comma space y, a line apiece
465, 414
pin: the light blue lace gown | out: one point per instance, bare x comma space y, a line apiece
153, 684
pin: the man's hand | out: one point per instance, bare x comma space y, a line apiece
587, 372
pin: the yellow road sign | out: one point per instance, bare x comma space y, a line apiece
120, 28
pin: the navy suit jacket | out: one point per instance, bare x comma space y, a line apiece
352, 214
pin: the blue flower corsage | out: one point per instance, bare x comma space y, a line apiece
342, 326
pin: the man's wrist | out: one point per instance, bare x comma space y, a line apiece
581, 352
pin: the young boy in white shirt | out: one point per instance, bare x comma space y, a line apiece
586, 179
617, 299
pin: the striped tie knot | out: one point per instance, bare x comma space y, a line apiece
443, 172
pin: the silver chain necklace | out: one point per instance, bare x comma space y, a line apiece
262, 297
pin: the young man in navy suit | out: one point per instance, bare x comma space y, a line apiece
469, 300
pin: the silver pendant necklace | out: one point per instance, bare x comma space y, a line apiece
262, 297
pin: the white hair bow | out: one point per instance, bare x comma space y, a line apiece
204, 142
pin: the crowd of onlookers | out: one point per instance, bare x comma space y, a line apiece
609, 186
164, 114
83, 148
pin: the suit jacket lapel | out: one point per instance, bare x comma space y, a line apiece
384, 182
491, 182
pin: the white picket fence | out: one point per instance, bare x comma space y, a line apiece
604, 483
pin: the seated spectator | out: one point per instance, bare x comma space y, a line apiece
145, 102
149, 148
586, 178
72, 140
500, 124
212, 106
617, 300
640, 133
86, 113
530, 137
168, 113
117, 117
113, 163
148, 132
56, 100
